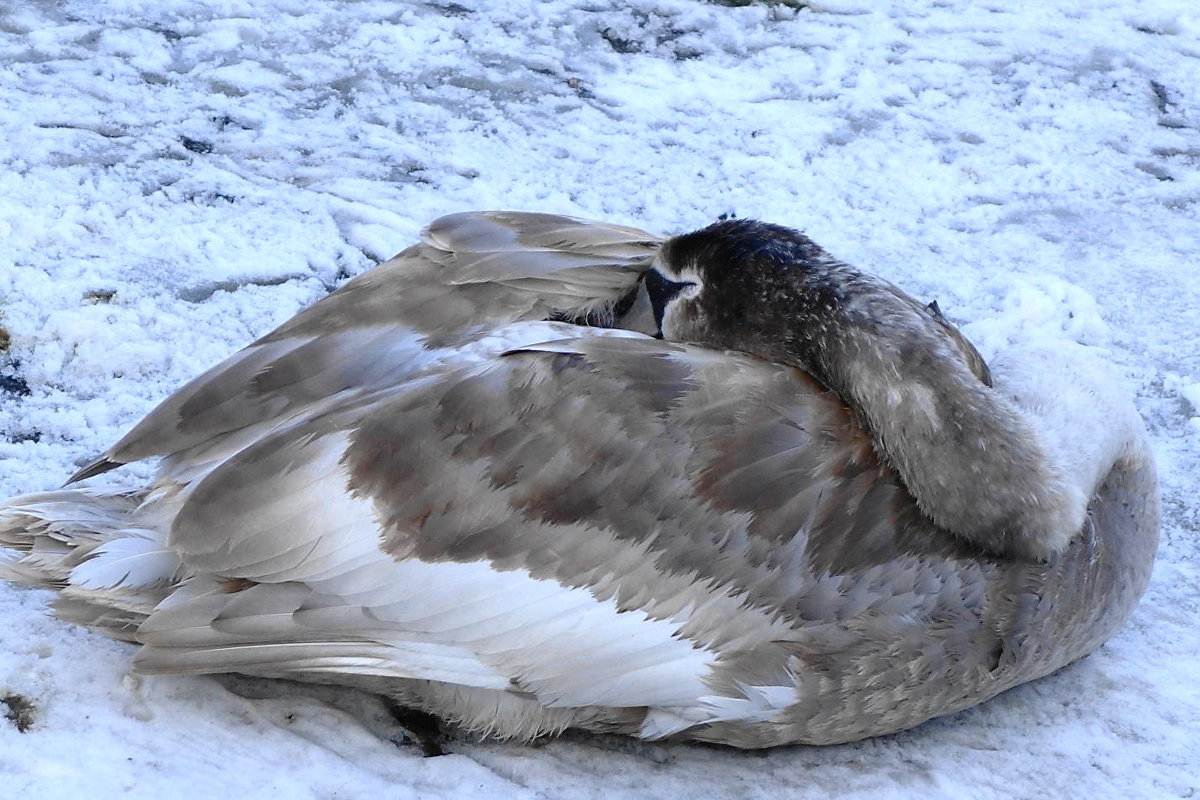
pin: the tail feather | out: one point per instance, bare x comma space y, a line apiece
101, 614
110, 571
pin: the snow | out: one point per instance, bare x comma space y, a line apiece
177, 177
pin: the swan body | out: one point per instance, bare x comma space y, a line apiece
475, 480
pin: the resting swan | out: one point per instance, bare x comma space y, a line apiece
536, 473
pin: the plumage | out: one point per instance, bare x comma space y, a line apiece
473, 480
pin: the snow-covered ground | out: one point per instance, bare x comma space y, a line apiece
179, 176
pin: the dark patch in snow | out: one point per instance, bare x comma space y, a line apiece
455, 9
15, 385
582, 91
1162, 98
623, 46
100, 295
196, 145
223, 121
166, 33
416, 727
20, 711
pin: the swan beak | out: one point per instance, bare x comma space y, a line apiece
661, 291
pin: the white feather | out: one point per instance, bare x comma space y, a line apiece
130, 561
316, 543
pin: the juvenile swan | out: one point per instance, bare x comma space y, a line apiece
804, 510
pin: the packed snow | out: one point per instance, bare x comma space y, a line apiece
177, 177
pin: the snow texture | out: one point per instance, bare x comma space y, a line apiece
178, 177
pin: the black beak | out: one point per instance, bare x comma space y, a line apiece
661, 291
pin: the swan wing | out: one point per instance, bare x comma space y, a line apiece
470, 273
598, 521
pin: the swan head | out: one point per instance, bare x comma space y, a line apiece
770, 290
976, 464
725, 285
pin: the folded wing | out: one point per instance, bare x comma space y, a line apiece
471, 273
598, 521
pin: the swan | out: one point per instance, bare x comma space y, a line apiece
538, 473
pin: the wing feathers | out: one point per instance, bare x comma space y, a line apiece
498, 516
474, 271
493, 246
